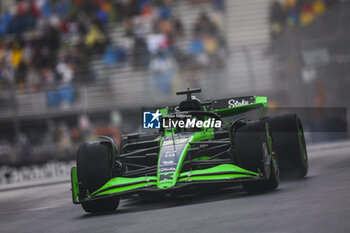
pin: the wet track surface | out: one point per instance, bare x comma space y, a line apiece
318, 203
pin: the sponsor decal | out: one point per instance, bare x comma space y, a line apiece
167, 163
234, 102
166, 176
170, 154
32, 173
167, 169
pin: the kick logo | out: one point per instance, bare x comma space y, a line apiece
151, 120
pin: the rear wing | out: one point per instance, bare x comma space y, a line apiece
230, 106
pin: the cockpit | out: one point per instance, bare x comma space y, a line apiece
190, 115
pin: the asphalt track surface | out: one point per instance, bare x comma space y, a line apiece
318, 203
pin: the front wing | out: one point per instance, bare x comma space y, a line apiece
122, 186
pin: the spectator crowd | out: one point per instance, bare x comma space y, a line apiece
45, 45
157, 36
286, 15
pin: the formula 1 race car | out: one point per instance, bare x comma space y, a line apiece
197, 143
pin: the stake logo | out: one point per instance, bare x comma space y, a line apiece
234, 103
151, 120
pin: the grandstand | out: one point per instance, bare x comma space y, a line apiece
246, 58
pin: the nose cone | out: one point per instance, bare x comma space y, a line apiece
171, 156
166, 180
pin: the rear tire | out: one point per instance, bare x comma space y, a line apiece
290, 145
254, 145
94, 169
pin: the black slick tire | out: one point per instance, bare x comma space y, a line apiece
288, 135
255, 149
94, 169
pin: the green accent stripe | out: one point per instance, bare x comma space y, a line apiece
123, 182
74, 183
218, 174
128, 188
219, 169
217, 177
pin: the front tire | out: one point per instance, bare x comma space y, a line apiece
255, 149
94, 169
288, 134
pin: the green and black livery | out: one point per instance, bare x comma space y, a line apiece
241, 151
